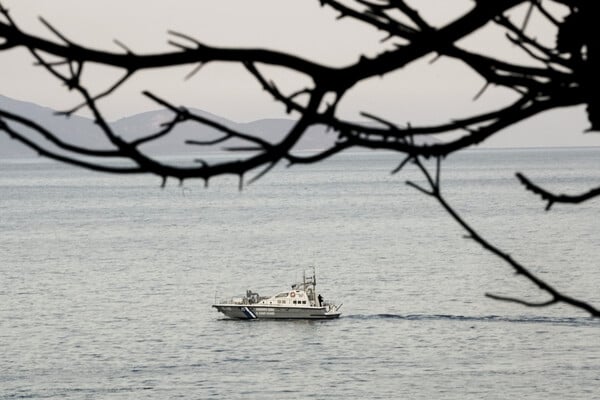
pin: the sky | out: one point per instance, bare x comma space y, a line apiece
422, 93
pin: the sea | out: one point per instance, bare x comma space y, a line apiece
107, 281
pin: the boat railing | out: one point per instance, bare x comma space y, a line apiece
235, 300
329, 302
250, 298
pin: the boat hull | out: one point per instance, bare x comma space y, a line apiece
240, 311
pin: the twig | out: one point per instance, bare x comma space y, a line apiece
552, 198
556, 296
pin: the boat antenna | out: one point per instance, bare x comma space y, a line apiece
304, 279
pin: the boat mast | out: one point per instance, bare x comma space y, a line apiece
304, 283
314, 283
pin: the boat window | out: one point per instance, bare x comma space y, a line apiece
304, 302
284, 294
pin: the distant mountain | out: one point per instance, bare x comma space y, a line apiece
271, 130
76, 130
84, 132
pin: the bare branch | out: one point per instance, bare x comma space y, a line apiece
522, 302
337, 148
123, 46
53, 138
420, 188
182, 114
552, 198
521, 270
55, 31
68, 159
262, 173
550, 78
401, 165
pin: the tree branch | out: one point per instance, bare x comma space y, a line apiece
552, 198
521, 270
551, 78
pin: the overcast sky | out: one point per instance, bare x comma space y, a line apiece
422, 93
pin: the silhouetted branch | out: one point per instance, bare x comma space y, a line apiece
337, 148
517, 112
183, 114
374, 15
14, 37
401, 165
548, 78
539, 6
556, 296
101, 95
65, 158
552, 198
523, 41
522, 302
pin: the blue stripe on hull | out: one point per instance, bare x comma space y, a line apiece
248, 313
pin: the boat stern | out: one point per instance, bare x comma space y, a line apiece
236, 311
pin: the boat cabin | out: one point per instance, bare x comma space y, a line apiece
294, 298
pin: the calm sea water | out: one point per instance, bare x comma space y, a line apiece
106, 282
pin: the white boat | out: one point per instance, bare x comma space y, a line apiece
301, 302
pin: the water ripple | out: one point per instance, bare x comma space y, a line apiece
573, 321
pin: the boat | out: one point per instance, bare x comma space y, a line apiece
301, 302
